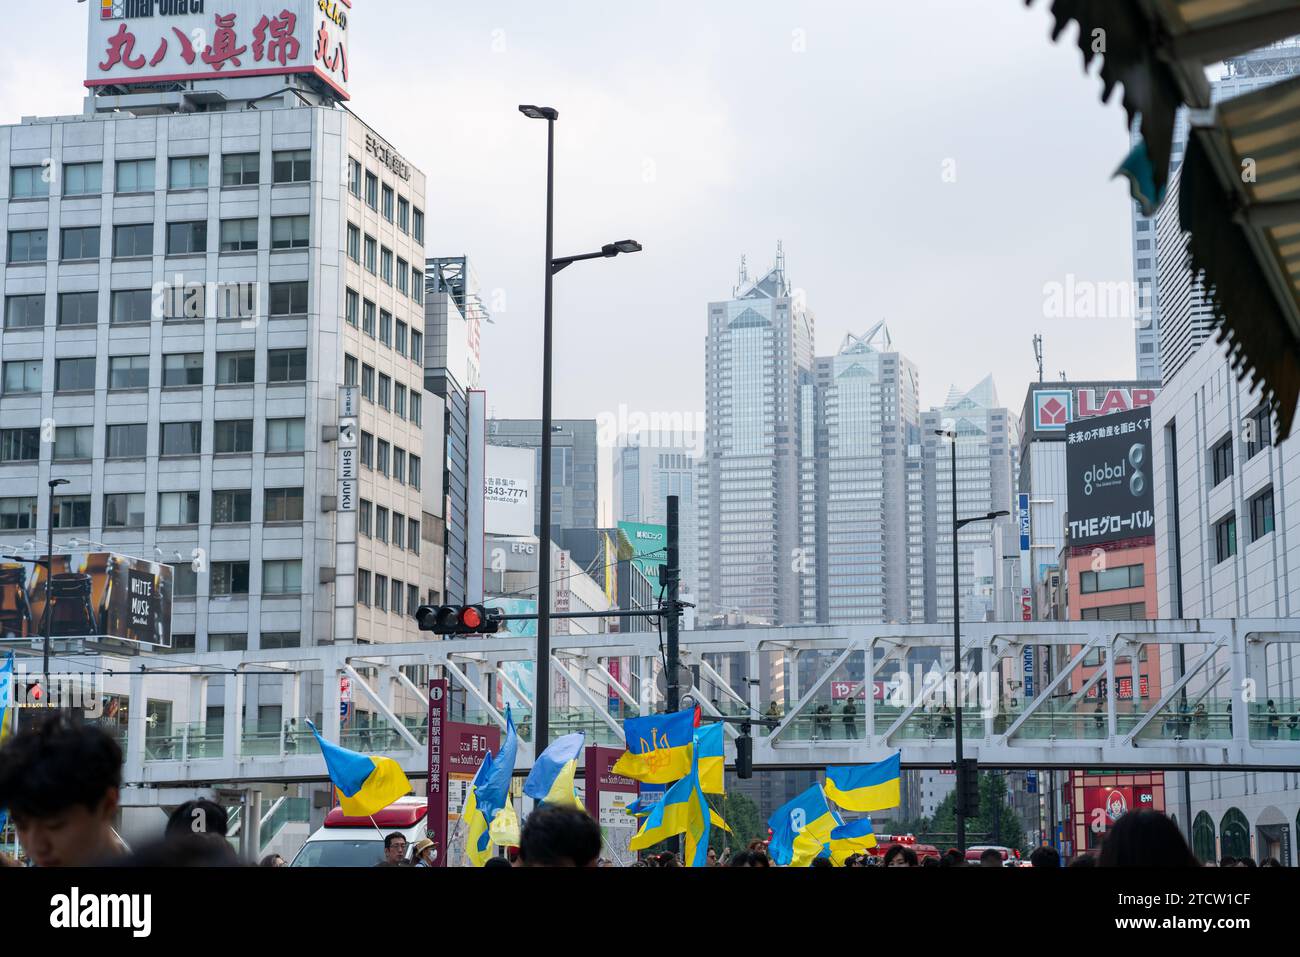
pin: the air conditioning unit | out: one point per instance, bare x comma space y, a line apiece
327, 574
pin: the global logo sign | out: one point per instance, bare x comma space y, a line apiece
1051, 410
1116, 805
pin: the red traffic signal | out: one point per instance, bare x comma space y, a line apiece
458, 619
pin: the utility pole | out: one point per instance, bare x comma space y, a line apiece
672, 580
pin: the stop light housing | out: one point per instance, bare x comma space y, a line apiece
458, 619
744, 757
968, 796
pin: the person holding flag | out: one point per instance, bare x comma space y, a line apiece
489, 810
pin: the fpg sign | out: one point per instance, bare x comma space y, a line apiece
1054, 409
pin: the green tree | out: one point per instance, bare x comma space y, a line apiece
996, 822
741, 815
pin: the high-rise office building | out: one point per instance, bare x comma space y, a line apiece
1172, 324
574, 467
758, 358
644, 477
194, 271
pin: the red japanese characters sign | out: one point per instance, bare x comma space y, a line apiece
155, 41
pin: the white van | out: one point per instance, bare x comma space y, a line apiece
354, 842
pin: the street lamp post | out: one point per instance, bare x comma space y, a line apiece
49, 578
542, 676
957, 525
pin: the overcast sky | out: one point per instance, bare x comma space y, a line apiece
711, 130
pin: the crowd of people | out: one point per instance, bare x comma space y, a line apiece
60, 781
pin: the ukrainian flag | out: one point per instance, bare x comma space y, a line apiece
709, 751
658, 747
489, 811
852, 838
365, 783
808, 815
6, 697
683, 810
870, 788
551, 779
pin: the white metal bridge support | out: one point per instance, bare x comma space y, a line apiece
1203, 716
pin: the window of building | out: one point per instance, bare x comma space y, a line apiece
291, 166
417, 224
232, 437
230, 641
283, 505
286, 365
78, 308
386, 265
1111, 579
1221, 461
401, 275
1225, 538
364, 510
354, 243
399, 465
128, 372
381, 523
188, 172
399, 529
367, 382
397, 590
75, 375
368, 318
185, 239
236, 368
180, 438
288, 299
363, 587
403, 214
135, 176
83, 179
290, 232
350, 306
20, 445
386, 327
27, 245
127, 441
388, 203
417, 286
240, 169
282, 577
229, 578
1259, 430
178, 508
354, 177
124, 510
350, 370
24, 312
1261, 514
74, 442
381, 592
17, 514
238, 235
72, 511
232, 506
285, 435
281, 639
413, 535
381, 457
413, 469
417, 347
399, 401
133, 239
385, 391
399, 338
29, 182
372, 190
412, 600
182, 369
81, 242
367, 450
371, 245
131, 305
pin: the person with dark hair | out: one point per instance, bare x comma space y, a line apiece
741, 859
1084, 860
1146, 839
1274, 722
955, 858
496, 862
900, 856
1246, 862
184, 850
991, 858
395, 849
822, 862
273, 860
1271, 862
1045, 856
60, 782
559, 837
1228, 861
197, 817
928, 862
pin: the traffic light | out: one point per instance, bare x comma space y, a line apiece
744, 755
968, 797
458, 619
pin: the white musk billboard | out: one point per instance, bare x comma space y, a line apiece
1108, 461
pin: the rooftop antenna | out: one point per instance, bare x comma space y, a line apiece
1038, 354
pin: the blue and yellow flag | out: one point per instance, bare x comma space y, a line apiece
683, 810
6, 697
872, 787
551, 780
365, 783
708, 744
658, 747
852, 838
808, 815
489, 812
